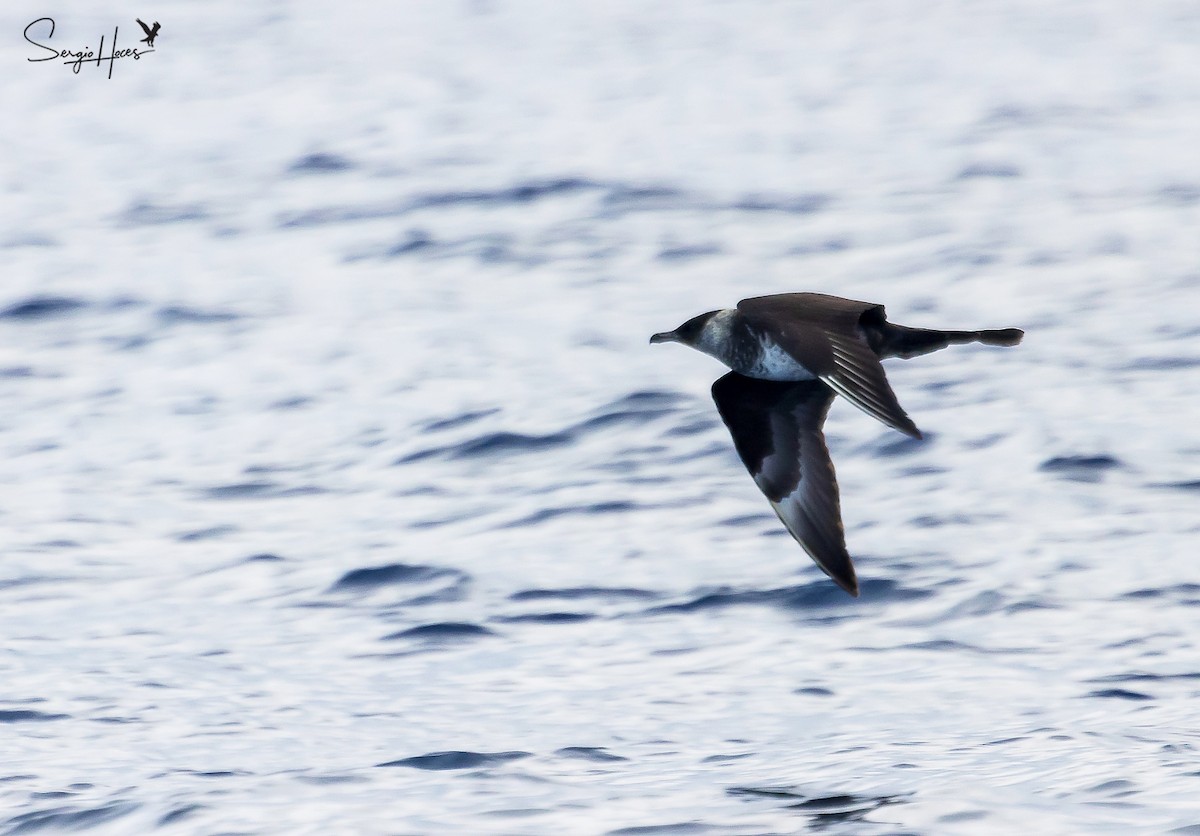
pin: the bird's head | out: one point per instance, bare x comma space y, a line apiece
689, 333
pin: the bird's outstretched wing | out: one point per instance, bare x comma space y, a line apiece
776, 429
145, 28
823, 333
859, 378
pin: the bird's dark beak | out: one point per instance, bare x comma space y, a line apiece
665, 337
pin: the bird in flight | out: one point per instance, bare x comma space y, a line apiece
151, 32
790, 354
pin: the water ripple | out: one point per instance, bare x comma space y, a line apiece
602, 593
320, 163
457, 760
69, 818
371, 578
24, 715
819, 594
595, 754
1081, 468
444, 632
42, 307
1119, 694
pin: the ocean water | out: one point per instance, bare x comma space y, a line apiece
343, 494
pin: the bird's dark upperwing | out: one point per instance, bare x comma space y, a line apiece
823, 333
145, 28
776, 428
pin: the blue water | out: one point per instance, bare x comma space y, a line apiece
342, 492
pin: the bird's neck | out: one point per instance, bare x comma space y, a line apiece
726, 338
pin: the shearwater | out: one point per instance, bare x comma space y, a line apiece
790, 354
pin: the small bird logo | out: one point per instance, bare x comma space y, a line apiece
151, 32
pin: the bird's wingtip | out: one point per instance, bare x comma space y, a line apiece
845, 577
848, 584
910, 429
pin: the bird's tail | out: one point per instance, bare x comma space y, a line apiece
900, 341
999, 336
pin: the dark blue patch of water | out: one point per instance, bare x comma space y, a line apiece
179, 814
1181, 589
829, 245
42, 307
441, 632
1119, 694
15, 372
289, 404
626, 198
892, 445
491, 445
184, 315
748, 520
1183, 194
519, 194
1162, 364
579, 593
1190, 485
320, 163
805, 204
589, 753
458, 420
547, 618
28, 239
686, 828
373, 577
546, 514
688, 252
261, 489
205, 533
1080, 468
982, 170
414, 241
806, 597
265, 557
150, 214
24, 715
457, 760
690, 427
68, 818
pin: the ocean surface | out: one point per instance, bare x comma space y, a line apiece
341, 492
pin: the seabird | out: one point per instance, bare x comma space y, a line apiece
789, 355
